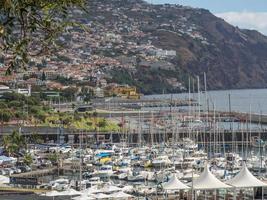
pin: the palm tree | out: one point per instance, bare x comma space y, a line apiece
7, 143
27, 159
14, 142
18, 139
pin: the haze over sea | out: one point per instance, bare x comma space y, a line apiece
245, 100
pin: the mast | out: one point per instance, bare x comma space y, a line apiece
139, 129
189, 103
250, 120
151, 128
231, 123
80, 172
198, 92
206, 108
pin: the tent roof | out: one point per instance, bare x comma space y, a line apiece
245, 179
174, 184
207, 181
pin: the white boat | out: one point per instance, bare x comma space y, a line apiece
94, 181
104, 171
161, 161
122, 176
59, 184
134, 177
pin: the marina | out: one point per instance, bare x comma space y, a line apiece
133, 100
157, 154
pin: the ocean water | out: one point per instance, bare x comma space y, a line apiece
246, 100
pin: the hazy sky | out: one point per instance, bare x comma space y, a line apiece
251, 14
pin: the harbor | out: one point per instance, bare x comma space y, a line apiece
133, 100
164, 152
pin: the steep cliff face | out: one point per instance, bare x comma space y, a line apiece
233, 58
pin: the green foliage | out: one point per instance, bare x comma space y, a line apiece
20, 115
22, 20
15, 104
35, 138
69, 93
27, 159
122, 77
84, 121
43, 78
95, 114
102, 123
53, 157
14, 142
5, 115
21, 106
3, 105
86, 94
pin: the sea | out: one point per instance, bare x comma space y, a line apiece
252, 101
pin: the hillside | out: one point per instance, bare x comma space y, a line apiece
157, 47
231, 57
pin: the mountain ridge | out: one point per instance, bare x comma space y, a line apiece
158, 47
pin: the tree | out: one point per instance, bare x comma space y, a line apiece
36, 139
53, 157
27, 159
43, 78
87, 98
102, 123
5, 115
69, 93
95, 114
14, 142
30, 24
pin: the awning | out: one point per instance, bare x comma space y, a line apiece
207, 181
244, 179
174, 184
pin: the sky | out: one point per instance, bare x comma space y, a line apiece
250, 14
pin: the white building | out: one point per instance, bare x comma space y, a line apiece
25, 91
165, 53
99, 92
4, 89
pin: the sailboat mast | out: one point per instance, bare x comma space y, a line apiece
139, 129
198, 92
81, 137
189, 102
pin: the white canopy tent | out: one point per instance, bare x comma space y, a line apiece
174, 184
207, 181
244, 179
